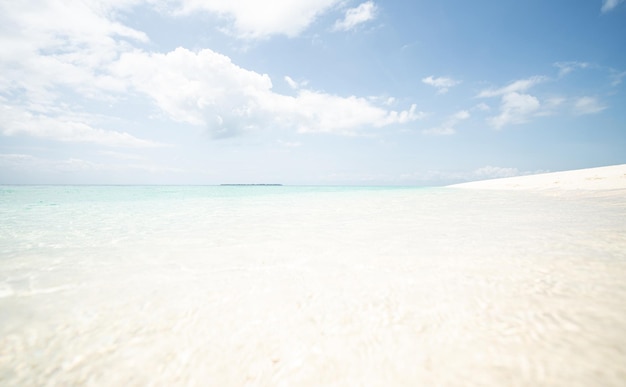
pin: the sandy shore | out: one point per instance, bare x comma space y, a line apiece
179, 286
591, 179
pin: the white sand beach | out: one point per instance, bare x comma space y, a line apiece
601, 178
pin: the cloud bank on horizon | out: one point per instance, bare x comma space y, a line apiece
306, 92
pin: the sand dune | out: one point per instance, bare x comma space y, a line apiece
602, 178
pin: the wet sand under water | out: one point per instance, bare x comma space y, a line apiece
440, 287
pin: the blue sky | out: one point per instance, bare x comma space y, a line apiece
308, 92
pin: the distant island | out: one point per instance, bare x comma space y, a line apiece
239, 185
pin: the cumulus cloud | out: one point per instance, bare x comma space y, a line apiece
355, 16
313, 111
53, 49
253, 19
609, 5
442, 84
53, 43
52, 55
516, 106
194, 88
587, 105
448, 127
206, 88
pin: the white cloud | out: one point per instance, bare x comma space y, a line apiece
518, 107
50, 43
52, 54
514, 87
15, 120
206, 88
515, 108
355, 16
15, 159
608, 5
390, 101
483, 107
203, 88
295, 84
54, 49
461, 115
24, 162
567, 67
449, 125
442, 84
617, 77
551, 105
253, 19
313, 111
587, 105
554, 102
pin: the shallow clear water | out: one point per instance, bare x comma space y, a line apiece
310, 286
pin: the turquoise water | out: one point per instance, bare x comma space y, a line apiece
163, 285
49, 218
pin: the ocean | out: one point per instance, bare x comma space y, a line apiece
310, 286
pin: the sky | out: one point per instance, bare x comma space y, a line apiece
309, 92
